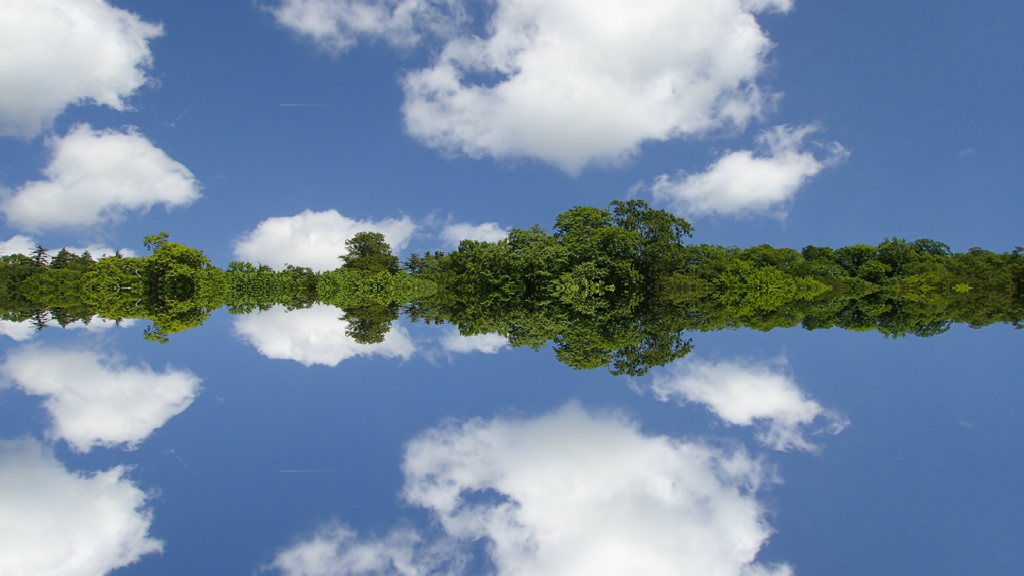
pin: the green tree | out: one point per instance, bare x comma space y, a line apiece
369, 252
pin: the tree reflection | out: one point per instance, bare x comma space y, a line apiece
617, 288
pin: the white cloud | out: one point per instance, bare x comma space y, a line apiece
336, 25
453, 234
18, 331
575, 82
21, 244
17, 244
26, 330
94, 399
54, 53
567, 493
314, 335
337, 550
741, 183
95, 177
453, 342
314, 239
62, 523
746, 394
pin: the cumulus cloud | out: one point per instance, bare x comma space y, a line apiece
96, 400
336, 25
742, 183
453, 342
567, 493
314, 335
63, 523
746, 394
453, 234
95, 177
314, 239
54, 53
574, 83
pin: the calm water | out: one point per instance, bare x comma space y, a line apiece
272, 442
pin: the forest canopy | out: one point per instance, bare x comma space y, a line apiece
617, 287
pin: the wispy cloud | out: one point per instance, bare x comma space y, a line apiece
749, 394
742, 183
21, 244
454, 233
336, 25
455, 343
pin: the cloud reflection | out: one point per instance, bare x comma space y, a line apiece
96, 400
571, 492
314, 335
745, 394
63, 523
455, 343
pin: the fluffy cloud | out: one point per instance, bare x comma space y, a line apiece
745, 394
95, 177
59, 52
741, 183
314, 335
62, 523
314, 239
453, 342
95, 400
453, 234
335, 25
572, 82
567, 493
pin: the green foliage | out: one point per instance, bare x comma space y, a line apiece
615, 288
368, 252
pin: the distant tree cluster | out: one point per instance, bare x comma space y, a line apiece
617, 287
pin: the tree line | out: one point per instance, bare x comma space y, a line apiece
617, 287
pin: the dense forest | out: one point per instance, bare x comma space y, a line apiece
619, 287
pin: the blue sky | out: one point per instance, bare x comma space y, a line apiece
273, 130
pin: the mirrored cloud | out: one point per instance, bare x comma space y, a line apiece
453, 342
575, 83
453, 234
95, 399
62, 523
314, 335
54, 53
336, 25
748, 394
314, 239
568, 493
742, 183
25, 330
95, 177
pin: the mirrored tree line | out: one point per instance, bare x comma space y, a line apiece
615, 287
